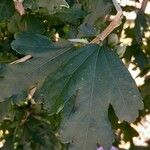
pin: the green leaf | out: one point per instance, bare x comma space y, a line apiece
29, 134
35, 24
97, 78
6, 53
97, 9
141, 58
72, 15
53, 5
37, 132
6, 9
5, 107
83, 82
145, 88
16, 79
86, 30
140, 26
16, 24
31, 4
30, 23
30, 43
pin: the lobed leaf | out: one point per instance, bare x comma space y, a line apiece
89, 82
15, 79
82, 82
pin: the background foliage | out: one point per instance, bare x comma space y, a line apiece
70, 97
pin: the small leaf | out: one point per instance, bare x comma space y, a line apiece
6, 9
31, 4
5, 108
16, 23
35, 25
140, 26
30, 43
53, 5
86, 30
72, 15
96, 9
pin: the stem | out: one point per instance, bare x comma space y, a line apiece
144, 4
23, 59
111, 26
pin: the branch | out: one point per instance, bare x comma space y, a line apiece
144, 4
31, 94
19, 6
111, 26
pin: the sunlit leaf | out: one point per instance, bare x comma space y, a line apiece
72, 15
96, 9
16, 24
82, 82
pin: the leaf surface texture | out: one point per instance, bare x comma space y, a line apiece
79, 82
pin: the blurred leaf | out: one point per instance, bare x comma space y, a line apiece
136, 50
145, 91
36, 131
6, 57
86, 31
53, 6
71, 72
35, 24
16, 24
147, 103
71, 15
30, 23
6, 53
5, 107
141, 58
30, 133
145, 88
97, 9
71, 2
6, 9
140, 26
120, 50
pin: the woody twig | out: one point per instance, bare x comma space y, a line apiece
111, 26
